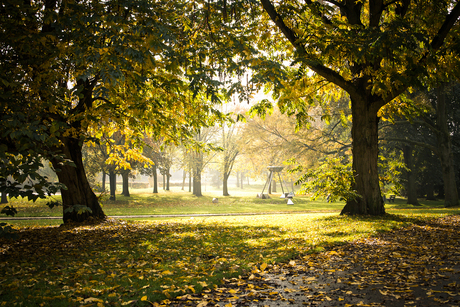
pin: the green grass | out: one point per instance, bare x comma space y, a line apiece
122, 261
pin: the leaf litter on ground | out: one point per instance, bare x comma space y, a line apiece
235, 261
417, 265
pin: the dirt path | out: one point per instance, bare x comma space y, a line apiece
413, 266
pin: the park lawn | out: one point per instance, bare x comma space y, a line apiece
124, 263
178, 202
143, 202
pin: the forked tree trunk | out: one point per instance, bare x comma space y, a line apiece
78, 200
365, 157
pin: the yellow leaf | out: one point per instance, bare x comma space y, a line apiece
144, 298
263, 266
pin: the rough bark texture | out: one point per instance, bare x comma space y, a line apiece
411, 186
78, 194
365, 157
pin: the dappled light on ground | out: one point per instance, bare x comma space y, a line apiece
120, 263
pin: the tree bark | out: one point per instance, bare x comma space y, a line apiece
411, 186
112, 184
225, 185
4, 198
104, 174
364, 133
445, 150
125, 178
155, 178
197, 169
184, 176
168, 176
78, 200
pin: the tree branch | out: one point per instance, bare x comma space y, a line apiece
304, 57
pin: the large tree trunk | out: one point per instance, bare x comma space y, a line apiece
445, 150
411, 186
78, 200
125, 178
365, 157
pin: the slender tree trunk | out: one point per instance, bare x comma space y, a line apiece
411, 186
198, 168
242, 180
168, 176
274, 186
112, 184
104, 174
237, 179
78, 200
184, 176
155, 178
125, 178
445, 150
365, 157
190, 181
164, 181
225, 185
4, 198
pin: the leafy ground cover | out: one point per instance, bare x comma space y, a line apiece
418, 265
127, 263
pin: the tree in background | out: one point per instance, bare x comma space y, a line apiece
433, 119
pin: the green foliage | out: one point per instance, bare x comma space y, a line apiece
332, 179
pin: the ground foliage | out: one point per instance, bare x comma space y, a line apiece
235, 261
